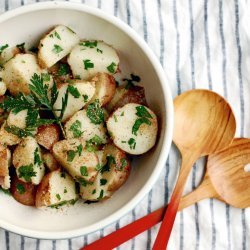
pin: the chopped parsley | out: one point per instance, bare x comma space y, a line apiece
83, 182
88, 64
138, 123
57, 206
99, 50
26, 172
90, 44
21, 133
110, 161
112, 68
58, 197
85, 98
45, 77
57, 49
57, 35
76, 129
71, 155
115, 118
94, 191
63, 70
124, 163
98, 167
84, 171
3, 47
5, 191
37, 158
65, 191
131, 81
95, 112
20, 188
74, 91
101, 195
21, 47
103, 182
93, 143
122, 114
132, 143
79, 149
142, 112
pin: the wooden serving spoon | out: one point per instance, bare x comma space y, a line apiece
233, 184
204, 124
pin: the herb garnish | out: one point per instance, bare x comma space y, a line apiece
93, 143
57, 49
84, 171
95, 112
143, 118
74, 91
85, 98
20, 188
88, 64
57, 35
63, 70
101, 195
132, 143
103, 182
26, 172
112, 68
3, 47
99, 50
37, 159
130, 82
94, 191
79, 149
90, 44
58, 197
45, 77
76, 129
71, 155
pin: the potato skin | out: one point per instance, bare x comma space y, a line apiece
48, 135
123, 96
26, 195
50, 161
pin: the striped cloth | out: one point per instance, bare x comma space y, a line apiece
200, 44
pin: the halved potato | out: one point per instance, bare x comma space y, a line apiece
80, 163
94, 191
118, 170
18, 72
8, 53
90, 57
23, 192
7, 138
56, 188
50, 161
28, 162
135, 94
48, 135
105, 88
79, 94
18, 120
55, 45
80, 125
5, 161
133, 128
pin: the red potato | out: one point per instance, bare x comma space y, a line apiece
105, 88
123, 96
23, 192
48, 135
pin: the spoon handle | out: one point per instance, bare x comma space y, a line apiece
170, 214
113, 240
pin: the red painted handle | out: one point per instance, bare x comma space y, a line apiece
123, 234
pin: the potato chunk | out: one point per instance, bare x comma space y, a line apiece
105, 88
118, 168
133, 128
90, 57
18, 120
56, 188
48, 135
7, 138
8, 53
80, 125
28, 161
23, 192
79, 94
5, 161
123, 96
80, 163
55, 45
50, 161
18, 72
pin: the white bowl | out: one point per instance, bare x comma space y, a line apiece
27, 24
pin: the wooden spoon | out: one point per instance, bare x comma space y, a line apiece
233, 184
204, 124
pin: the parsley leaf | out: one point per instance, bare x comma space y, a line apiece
132, 143
90, 44
76, 129
101, 195
58, 197
93, 143
84, 171
142, 112
57, 49
37, 159
95, 112
57, 36
112, 68
19, 132
45, 77
71, 155
79, 149
3, 47
103, 182
54, 94
63, 70
138, 123
26, 172
74, 91
88, 64
20, 188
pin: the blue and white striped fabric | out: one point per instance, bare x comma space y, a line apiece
200, 44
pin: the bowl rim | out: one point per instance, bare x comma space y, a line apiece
168, 132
